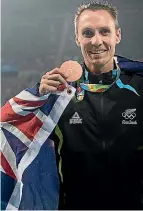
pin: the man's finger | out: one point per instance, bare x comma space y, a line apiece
57, 71
51, 82
57, 77
45, 89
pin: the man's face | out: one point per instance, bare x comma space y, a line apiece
97, 37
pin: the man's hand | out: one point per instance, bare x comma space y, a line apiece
52, 81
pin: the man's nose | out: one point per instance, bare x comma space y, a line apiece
96, 39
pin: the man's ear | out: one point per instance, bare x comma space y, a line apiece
118, 35
77, 41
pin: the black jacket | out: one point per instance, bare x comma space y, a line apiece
102, 146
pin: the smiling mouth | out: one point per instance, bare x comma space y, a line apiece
97, 52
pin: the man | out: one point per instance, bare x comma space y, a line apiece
99, 136
101, 163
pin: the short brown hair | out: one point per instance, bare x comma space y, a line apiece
97, 5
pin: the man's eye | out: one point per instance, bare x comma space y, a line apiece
87, 33
105, 31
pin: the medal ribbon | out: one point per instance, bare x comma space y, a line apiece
84, 85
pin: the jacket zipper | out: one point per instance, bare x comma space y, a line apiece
102, 117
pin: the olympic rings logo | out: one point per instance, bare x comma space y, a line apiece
129, 114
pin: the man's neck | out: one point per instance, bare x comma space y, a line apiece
100, 69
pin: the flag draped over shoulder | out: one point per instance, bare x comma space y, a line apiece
29, 177
130, 65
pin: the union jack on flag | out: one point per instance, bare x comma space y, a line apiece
29, 177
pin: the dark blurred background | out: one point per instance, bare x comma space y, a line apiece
38, 35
